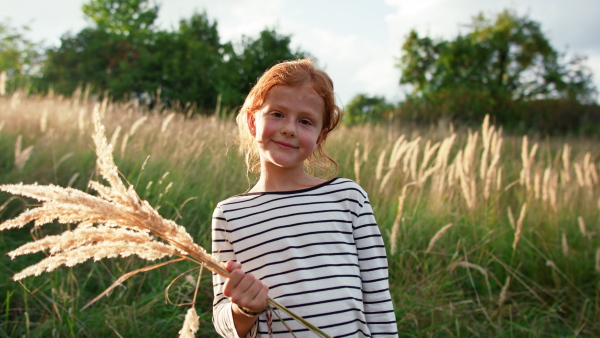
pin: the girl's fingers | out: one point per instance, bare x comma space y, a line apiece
244, 289
248, 285
254, 297
261, 298
231, 265
232, 284
240, 283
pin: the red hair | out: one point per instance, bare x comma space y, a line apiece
289, 73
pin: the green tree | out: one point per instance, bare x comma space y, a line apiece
108, 56
20, 58
91, 57
130, 25
122, 17
364, 108
498, 62
251, 58
186, 64
124, 55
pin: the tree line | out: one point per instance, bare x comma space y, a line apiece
125, 55
501, 65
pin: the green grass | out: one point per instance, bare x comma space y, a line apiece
550, 293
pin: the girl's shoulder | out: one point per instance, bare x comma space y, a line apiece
342, 184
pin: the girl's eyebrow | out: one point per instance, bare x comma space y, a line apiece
280, 106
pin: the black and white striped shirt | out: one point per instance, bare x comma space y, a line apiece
320, 252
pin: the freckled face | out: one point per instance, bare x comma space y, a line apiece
289, 126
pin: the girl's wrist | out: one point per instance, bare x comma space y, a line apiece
247, 312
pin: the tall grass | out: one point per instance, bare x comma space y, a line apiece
487, 234
115, 223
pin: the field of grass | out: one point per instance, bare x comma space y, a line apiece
487, 234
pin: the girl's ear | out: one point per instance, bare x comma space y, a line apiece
251, 125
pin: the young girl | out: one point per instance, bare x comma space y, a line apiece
312, 245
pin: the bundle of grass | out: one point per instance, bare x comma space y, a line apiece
115, 223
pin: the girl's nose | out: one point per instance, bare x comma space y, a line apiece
289, 128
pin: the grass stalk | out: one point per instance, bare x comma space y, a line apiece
117, 207
559, 187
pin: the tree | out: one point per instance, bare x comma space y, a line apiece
124, 55
91, 57
363, 108
122, 17
20, 58
108, 56
254, 57
186, 64
494, 65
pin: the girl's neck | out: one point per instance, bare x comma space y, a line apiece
280, 179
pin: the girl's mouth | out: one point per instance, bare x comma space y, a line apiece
284, 145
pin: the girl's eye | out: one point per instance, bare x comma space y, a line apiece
306, 122
276, 114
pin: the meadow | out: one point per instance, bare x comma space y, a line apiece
487, 234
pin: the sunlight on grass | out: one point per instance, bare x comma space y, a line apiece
487, 234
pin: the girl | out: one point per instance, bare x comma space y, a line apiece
313, 245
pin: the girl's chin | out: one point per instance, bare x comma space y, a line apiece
285, 163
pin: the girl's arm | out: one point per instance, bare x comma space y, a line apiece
241, 288
378, 306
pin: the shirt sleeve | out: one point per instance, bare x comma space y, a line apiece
379, 310
223, 251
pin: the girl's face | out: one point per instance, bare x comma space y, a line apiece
289, 126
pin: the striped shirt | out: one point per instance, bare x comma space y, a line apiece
320, 252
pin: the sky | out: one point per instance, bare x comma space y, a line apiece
358, 42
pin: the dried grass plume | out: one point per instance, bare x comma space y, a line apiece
437, 236
115, 222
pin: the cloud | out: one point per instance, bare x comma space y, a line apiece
443, 19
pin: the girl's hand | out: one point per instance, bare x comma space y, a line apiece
244, 290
